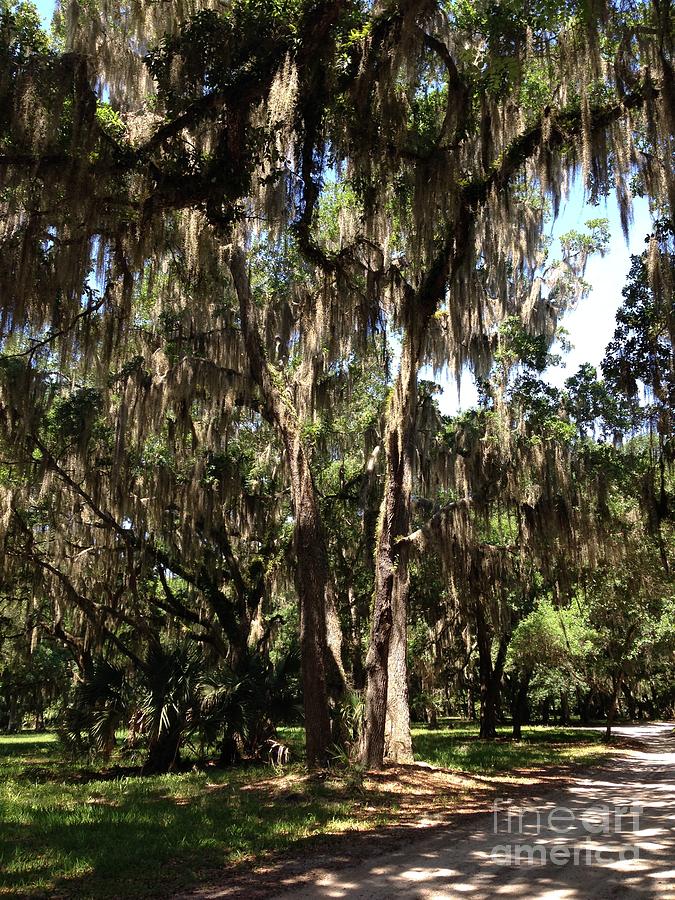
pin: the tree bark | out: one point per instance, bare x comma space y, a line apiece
356, 654
311, 578
320, 637
398, 740
164, 753
389, 627
335, 671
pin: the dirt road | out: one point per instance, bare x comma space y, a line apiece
610, 833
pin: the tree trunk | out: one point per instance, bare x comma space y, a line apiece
520, 712
320, 638
14, 723
488, 708
398, 740
388, 633
320, 667
230, 750
391, 565
335, 672
164, 753
613, 706
471, 704
490, 675
358, 675
564, 709
545, 711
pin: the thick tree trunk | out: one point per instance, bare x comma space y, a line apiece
320, 636
164, 753
335, 671
391, 567
311, 583
488, 708
230, 753
398, 741
388, 634
488, 712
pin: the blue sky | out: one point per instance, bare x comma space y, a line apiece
591, 324
45, 8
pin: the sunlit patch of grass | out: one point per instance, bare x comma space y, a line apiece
129, 836
459, 748
64, 830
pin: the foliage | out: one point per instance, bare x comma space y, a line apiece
174, 697
233, 238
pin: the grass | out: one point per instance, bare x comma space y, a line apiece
70, 832
458, 748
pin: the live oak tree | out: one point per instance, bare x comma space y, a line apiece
289, 183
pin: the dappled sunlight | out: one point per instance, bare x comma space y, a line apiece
460, 861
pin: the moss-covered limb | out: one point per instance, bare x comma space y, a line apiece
36, 346
553, 130
97, 614
278, 403
417, 537
560, 128
458, 95
173, 605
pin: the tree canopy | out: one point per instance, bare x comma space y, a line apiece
233, 234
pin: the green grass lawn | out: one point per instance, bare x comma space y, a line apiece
457, 747
64, 831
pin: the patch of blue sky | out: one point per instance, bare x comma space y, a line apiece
46, 10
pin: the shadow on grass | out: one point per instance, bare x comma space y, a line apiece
131, 838
73, 836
